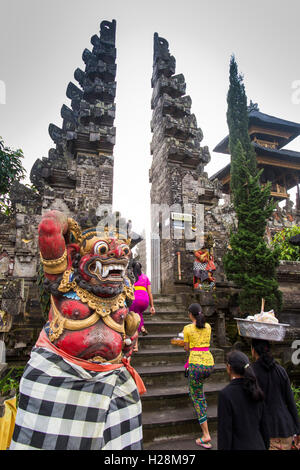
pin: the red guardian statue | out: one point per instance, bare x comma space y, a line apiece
82, 357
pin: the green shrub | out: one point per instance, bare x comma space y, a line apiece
11, 170
11, 381
286, 250
296, 391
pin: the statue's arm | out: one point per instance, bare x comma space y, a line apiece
52, 228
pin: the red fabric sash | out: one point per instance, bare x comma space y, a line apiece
44, 342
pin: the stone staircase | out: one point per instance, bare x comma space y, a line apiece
168, 412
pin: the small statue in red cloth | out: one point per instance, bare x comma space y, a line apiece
203, 270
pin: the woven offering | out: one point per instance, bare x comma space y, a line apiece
178, 341
263, 325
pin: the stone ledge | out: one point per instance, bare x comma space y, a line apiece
290, 268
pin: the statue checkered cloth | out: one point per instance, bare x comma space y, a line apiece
65, 407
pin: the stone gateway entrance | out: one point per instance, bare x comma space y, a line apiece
188, 210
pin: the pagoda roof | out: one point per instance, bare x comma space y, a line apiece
287, 155
264, 120
221, 173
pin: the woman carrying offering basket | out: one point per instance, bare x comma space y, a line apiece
200, 365
281, 412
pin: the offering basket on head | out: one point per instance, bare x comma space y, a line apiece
264, 325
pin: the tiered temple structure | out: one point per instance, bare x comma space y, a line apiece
176, 175
281, 167
78, 174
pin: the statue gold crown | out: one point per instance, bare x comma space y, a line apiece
104, 232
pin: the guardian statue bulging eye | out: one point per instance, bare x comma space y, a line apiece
126, 250
101, 248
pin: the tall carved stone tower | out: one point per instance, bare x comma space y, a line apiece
76, 178
78, 173
176, 175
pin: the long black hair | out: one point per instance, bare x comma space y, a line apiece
240, 365
263, 349
137, 270
196, 311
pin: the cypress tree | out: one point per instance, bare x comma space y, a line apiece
237, 119
249, 262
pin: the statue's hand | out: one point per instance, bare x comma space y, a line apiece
52, 228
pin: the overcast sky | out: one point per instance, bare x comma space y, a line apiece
41, 45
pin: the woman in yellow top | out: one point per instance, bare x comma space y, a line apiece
200, 365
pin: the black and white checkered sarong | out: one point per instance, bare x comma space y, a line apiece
65, 407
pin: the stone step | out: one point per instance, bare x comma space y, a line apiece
173, 327
156, 341
168, 300
162, 341
158, 326
169, 319
159, 357
169, 307
168, 356
162, 398
165, 297
182, 443
167, 315
173, 375
171, 423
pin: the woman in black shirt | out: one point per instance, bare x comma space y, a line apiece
282, 417
241, 411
